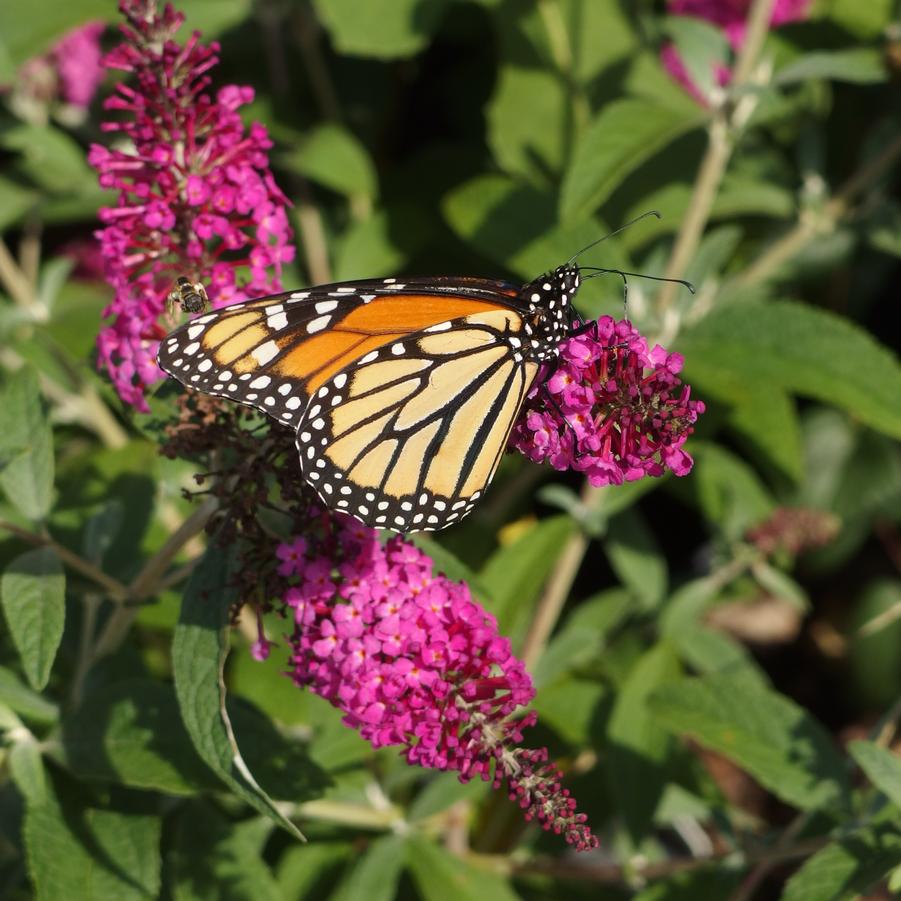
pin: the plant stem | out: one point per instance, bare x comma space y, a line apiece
721, 142
13, 278
147, 581
114, 589
628, 874
558, 587
811, 226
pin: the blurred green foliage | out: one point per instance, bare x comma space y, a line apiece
699, 689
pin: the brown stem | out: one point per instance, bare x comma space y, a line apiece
115, 589
626, 875
146, 583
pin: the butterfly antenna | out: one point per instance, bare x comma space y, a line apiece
631, 222
596, 271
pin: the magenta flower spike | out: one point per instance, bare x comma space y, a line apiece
413, 661
78, 59
194, 193
611, 409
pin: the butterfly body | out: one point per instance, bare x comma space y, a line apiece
402, 392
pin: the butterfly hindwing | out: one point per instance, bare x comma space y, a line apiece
410, 434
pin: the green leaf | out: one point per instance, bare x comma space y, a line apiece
33, 594
332, 156
622, 136
568, 706
199, 649
865, 20
512, 224
766, 419
84, 853
883, 768
765, 733
636, 557
515, 575
442, 876
583, 635
15, 201
383, 29
29, 28
51, 158
280, 765
310, 871
27, 771
638, 745
131, 732
523, 97
24, 701
800, 349
440, 792
730, 492
702, 47
214, 858
858, 65
382, 244
375, 875
26, 446
709, 651
847, 868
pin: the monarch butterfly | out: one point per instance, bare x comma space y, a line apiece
402, 392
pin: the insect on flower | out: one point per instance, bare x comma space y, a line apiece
402, 393
190, 296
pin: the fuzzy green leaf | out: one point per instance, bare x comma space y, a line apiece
800, 349
442, 876
883, 768
383, 29
638, 745
130, 732
765, 733
33, 594
84, 853
334, 157
858, 65
846, 868
622, 136
26, 446
199, 650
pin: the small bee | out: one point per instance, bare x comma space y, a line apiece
190, 296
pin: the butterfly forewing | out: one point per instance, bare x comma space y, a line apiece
410, 434
275, 352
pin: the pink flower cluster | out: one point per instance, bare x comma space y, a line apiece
611, 409
731, 17
70, 71
195, 193
412, 660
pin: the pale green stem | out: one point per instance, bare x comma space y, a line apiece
725, 122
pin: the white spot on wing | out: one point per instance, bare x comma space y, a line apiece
326, 306
278, 321
265, 352
317, 325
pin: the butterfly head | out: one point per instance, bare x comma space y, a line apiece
550, 304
